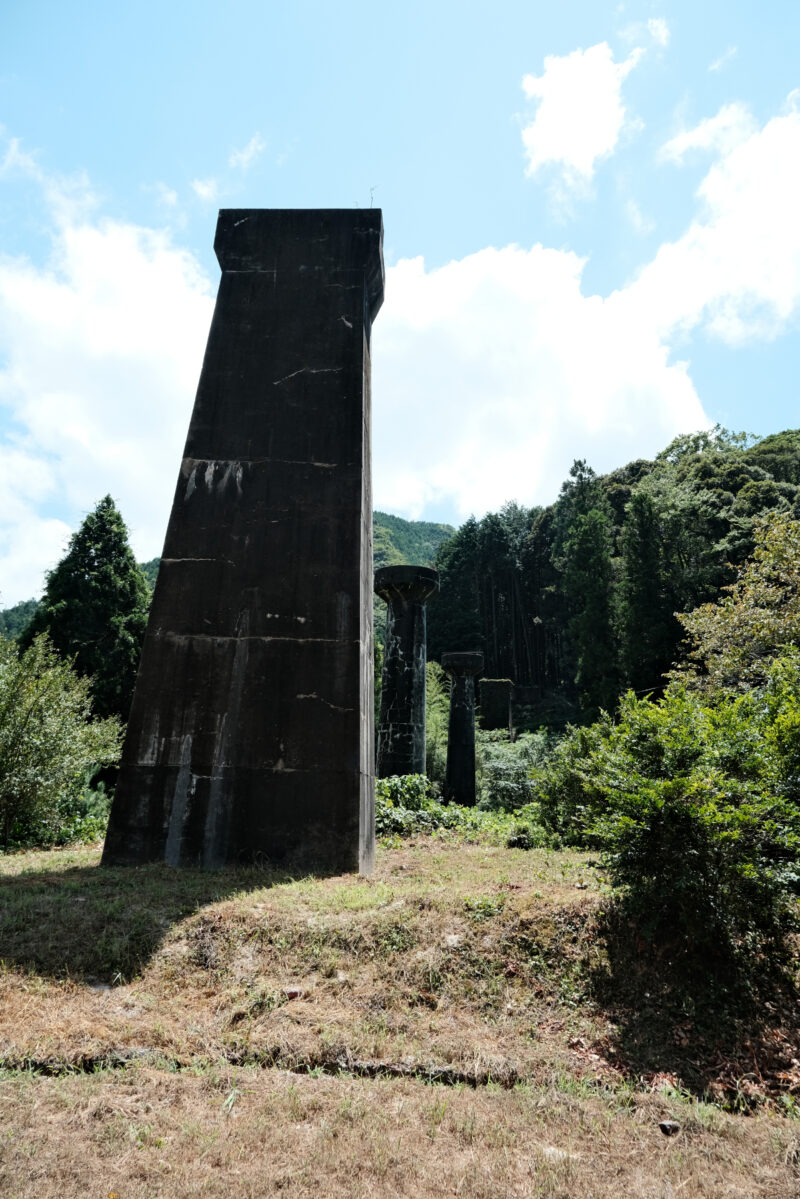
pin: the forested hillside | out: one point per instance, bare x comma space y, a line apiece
16, 619
415, 542
577, 601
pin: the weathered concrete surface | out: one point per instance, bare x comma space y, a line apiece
250, 735
459, 785
401, 726
495, 703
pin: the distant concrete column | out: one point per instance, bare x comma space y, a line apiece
401, 726
459, 785
495, 703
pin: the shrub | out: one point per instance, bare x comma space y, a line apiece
408, 804
529, 831
700, 828
564, 788
504, 768
49, 746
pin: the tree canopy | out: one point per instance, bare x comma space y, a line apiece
577, 601
94, 609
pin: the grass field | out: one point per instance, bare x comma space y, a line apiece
466, 1022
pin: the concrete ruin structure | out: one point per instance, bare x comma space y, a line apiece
401, 725
459, 785
250, 736
495, 703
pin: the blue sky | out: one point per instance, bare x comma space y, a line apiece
591, 214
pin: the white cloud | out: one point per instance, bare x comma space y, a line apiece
511, 371
732, 125
659, 31
245, 157
206, 189
493, 373
720, 62
490, 373
100, 355
635, 33
27, 540
579, 114
736, 269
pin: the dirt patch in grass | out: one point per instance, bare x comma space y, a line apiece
247, 1132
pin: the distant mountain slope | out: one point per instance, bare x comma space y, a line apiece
17, 618
150, 570
414, 542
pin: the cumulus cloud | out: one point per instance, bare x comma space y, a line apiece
244, 158
512, 371
491, 374
167, 196
736, 270
100, 354
579, 111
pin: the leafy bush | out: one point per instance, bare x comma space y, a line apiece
694, 805
529, 830
407, 804
504, 768
563, 786
49, 746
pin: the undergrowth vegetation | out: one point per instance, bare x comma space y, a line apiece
50, 749
406, 805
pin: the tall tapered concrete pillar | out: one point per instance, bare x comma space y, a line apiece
401, 725
459, 785
250, 735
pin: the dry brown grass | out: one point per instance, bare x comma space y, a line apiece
143, 1132
442, 957
467, 958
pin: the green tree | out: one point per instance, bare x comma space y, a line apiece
48, 741
731, 643
648, 630
586, 581
454, 621
94, 609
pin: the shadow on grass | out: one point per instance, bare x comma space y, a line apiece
720, 1027
104, 924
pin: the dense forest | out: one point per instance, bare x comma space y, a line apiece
576, 602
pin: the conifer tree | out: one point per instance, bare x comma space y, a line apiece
586, 582
648, 629
94, 609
